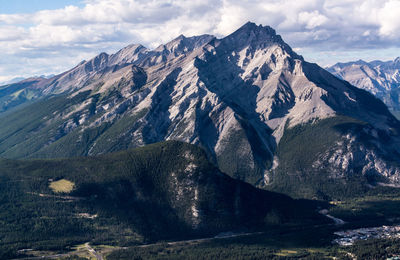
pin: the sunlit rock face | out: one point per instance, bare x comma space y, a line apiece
236, 97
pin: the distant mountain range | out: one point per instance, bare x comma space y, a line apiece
260, 111
378, 77
19, 79
11, 81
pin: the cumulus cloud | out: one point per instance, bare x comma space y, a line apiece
389, 19
312, 19
50, 41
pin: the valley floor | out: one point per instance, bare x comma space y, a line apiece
285, 242
279, 243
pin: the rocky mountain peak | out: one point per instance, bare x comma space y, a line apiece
254, 35
132, 53
360, 62
341, 65
252, 27
237, 97
183, 44
175, 48
97, 63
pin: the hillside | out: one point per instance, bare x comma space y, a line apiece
19, 93
240, 98
163, 191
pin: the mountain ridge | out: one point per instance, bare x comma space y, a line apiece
236, 97
381, 78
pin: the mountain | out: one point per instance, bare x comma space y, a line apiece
20, 93
261, 112
162, 191
380, 78
11, 81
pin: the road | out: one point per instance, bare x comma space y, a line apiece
71, 198
93, 252
100, 257
200, 239
337, 221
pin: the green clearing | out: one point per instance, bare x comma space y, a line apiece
62, 186
127, 191
124, 190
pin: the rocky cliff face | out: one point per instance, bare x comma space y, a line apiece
380, 78
237, 97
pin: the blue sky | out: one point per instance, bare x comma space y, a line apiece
32, 6
40, 37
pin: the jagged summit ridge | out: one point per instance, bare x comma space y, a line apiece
256, 33
183, 44
256, 36
236, 97
252, 31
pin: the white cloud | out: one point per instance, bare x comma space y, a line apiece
43, 40
312, 19
11, 33
14, 18
389, 17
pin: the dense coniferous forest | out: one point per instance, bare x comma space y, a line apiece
272, 155
117, 199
